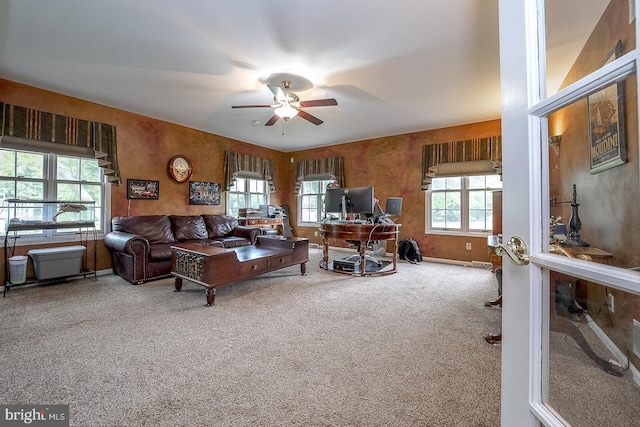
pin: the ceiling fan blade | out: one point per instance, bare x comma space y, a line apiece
313, 119
251, 106
272, 120
277, 92
318, 103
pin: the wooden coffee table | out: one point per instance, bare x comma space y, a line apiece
211, 266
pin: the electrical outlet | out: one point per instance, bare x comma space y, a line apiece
315, 233
468, 246
610, 305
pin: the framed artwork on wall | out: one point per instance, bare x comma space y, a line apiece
607, 139
142, 189
204, 193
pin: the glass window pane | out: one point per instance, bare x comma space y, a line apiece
438, 184
477, 219
30, 190
453, 200
591, 344
68, 169
89, 170
477, 182
596, 182
7, 190
30, 165
438, 200
570, 25
438, 218
454, 218
477, 200
90, 192
68, 191
454, 183
7, 163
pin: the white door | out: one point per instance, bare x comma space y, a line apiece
535, 351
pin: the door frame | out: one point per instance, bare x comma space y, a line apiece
525, 106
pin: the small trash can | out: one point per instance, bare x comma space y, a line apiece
18, 269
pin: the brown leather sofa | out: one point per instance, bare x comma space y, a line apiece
141, 245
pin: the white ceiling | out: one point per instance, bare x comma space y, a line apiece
393, 66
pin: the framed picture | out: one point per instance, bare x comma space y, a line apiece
204, 193
607, 139
142, 189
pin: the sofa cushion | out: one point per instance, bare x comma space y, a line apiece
188, 227
155, 228
220, 225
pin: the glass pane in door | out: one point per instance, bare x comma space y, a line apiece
593, 353
594, 190
581, 33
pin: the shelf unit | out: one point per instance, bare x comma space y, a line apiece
34, 215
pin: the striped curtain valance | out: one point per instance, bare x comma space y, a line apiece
22, 125
244, 165
327, 168
468, 157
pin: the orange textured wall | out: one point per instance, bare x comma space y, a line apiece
145, 146
393, 166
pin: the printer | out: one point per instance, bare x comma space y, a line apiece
270, 211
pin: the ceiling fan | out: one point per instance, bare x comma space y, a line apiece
288, 105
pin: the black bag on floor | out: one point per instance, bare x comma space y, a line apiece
409, 250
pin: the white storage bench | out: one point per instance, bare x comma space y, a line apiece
51, 263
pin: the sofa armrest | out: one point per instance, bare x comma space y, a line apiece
130, 244
250, 233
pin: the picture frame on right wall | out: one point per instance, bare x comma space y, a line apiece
607, 137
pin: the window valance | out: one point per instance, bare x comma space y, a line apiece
243, 165
48, 132
327, 168
468, 157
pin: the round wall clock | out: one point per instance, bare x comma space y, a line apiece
180, 168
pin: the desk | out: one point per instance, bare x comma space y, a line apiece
275, 223
362, 233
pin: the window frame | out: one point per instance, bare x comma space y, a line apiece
323, 182
464, 191
50, 183
247, 194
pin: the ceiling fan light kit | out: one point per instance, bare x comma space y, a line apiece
288, 105
286, 112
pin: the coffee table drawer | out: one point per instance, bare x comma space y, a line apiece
279, 260
252, 266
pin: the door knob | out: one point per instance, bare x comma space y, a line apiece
516, 250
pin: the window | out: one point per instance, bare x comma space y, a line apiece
246, 193
461, 204
311, 201
39, 176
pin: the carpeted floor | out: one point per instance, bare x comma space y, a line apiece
324, 349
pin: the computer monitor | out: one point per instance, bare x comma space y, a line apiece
361, 200
333, 200
394, 206
356, 200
